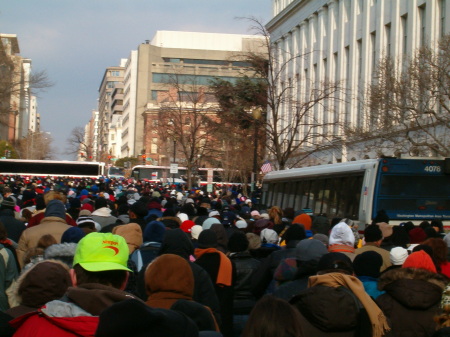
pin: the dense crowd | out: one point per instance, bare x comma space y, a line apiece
106, 257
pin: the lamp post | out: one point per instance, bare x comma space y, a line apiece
174, 158
256, 114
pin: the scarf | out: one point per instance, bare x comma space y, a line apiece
340, 248
225, 272
376, 316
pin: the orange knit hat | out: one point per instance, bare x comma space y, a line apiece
420, 260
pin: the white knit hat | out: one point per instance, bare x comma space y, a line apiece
342, 234
241, 224
398, 255
269, 235
195, 231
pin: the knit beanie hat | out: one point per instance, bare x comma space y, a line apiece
237, 242
342, 234
368, 264
186, 226
420, 260
207, 239
134, 318
73, 234
209, 222
55, 208
417, 235
295, 232
241, 224
154, 231
322, 238
398, 255
310, 250
195, 231
373, 233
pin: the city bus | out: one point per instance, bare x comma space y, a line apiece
115, 172
406, 189
54, 168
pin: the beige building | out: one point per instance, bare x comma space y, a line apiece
342, 41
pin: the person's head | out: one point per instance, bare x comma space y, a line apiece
273, 317
398, 255
54, 195
207, 239
269, 236
275, 214
238, 242
254, 242
295, 232
420, 260
8, 203
55, 208
368, 264
342, 234
310, 250
439, 248
100, 202
132, 233
138, 210
335, 263
133, 318
373, 234
101, 258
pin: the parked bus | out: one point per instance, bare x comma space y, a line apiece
51, 168
407, 189
157, 174
115, 172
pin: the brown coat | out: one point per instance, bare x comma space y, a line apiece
52, 225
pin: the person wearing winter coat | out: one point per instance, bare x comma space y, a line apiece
53, 223
102, 214
412, 297
342, 240
98, 276
169, 282
367, 268
14, 227
335, 303
293, 273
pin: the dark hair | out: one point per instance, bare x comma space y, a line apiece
273, 317
399, 237
295, 232
100, 202
113, 278
440, 249
139, 208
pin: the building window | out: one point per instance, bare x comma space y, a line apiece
404, 27
442, 9
422, 19
373, 49
112, 136
387, 35
154, 145
155, 123
114, 73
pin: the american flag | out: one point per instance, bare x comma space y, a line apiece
266, 167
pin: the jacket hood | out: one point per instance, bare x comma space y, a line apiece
104, 211
132, 233
55, 208
413, 288
177, 242
169, 277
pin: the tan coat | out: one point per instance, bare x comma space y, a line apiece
52, 225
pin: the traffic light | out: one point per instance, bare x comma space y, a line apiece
7, 153
144, 157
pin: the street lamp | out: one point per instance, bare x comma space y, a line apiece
256, 115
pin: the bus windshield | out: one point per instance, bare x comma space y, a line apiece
116, 172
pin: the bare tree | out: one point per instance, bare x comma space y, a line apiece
187, 117
294, 124
78, 144
409, 104
36, 145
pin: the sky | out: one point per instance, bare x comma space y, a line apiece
75, 41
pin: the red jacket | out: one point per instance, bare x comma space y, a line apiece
37, 218
37, 324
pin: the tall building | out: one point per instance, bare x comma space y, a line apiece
108, 109
15, 93
342, 41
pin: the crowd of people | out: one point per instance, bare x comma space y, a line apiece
106, 257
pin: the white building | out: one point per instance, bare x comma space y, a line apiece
344, 40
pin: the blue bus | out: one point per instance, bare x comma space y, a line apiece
406, 189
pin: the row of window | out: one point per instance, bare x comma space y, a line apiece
209, 62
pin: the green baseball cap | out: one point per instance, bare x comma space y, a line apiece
102, 251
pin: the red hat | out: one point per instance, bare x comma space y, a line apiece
88, 206
420, 260
417, 235
187, 225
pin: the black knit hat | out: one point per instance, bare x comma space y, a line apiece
238, 242
207, 239
373, 233
133, 318
368, 264
335, 263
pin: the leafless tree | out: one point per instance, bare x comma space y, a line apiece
409, 104
294, 125
36, 145
78, 144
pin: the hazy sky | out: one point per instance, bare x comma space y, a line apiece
75, 41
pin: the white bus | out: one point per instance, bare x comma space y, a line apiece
407, 189
56, 168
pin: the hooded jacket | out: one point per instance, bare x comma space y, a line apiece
177, 242
76, 314
411, 300
168, 281
14, 227
103, 216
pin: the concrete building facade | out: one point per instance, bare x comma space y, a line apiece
343, 40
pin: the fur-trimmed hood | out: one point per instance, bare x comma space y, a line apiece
413, 288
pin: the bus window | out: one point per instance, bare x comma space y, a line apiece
333, 186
